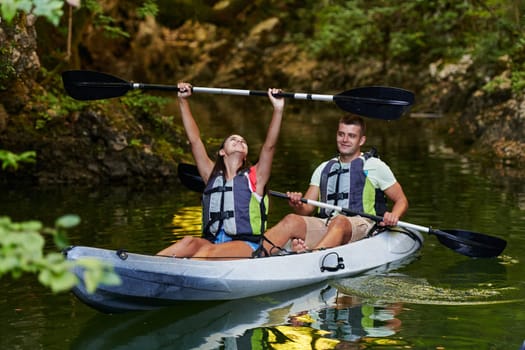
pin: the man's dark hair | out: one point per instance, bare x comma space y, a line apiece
354, 119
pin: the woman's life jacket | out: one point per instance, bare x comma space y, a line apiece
234, 207
350, 188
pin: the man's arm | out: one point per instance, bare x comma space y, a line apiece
396, 194
300, 207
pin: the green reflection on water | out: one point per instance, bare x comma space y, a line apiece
402, 288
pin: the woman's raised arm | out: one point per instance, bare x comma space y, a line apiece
264, 165
202, 160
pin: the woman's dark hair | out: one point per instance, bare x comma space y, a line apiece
219, 167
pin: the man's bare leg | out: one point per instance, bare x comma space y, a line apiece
339, 232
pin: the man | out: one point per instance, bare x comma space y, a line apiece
351, 180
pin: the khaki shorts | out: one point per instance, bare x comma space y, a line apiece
316, 228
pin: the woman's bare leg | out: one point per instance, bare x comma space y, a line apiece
224, 251
185, 248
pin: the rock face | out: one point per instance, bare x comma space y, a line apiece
95, 151
99, 145
92, 145
19, 64
488, 118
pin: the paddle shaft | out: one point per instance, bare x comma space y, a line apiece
349, 212
377, 218
241, 92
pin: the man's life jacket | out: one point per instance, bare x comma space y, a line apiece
350, 188
233, 206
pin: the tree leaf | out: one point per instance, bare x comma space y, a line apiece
67, 221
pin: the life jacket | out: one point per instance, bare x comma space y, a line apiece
233, 206
350, 188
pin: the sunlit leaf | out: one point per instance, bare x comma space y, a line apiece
60, 240
63, 281
44, 277
96, 273
31, 226
67, 221
91, 279
9, 8
109, 278
50, 9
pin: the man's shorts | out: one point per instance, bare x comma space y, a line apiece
316, 228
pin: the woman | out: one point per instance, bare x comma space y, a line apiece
234, 202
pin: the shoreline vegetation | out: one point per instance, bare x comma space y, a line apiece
468, 71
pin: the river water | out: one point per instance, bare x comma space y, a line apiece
441, 300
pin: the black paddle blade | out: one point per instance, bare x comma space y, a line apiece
189, 176
86, 85
380, 102
470, 243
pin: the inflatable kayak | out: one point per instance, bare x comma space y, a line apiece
149, 282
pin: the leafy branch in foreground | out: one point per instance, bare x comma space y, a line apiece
22, 251
22, 247
49, 9
11, 160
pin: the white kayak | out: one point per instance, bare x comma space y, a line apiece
149, 282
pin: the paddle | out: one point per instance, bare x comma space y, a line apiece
380, 102
464, 242
189, 176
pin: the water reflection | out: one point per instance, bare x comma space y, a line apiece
403, 288
187, 221
318, 316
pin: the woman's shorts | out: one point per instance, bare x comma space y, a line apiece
222, 237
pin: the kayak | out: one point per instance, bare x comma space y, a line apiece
150, 281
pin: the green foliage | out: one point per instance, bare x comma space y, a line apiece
135, 143
518, 68
96, 272
56, 103
148, 108
141, 104
149, 8
52, 10
416, 31
11, 160
518, 81
495, 84
110, 27
167, 150
49, 9
22, 247
22, 251
111, 30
